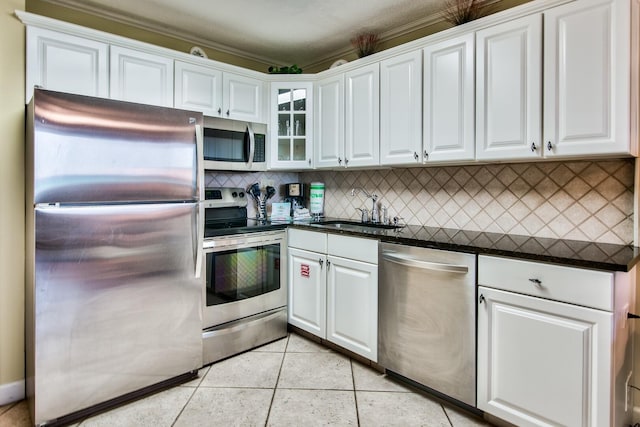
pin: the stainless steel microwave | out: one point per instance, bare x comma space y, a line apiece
234, 145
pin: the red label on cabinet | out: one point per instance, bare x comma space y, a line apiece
304, 270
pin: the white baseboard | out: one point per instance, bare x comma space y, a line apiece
11, 392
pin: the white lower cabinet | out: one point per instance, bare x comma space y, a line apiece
333, 289
352, 305
307, 290
543, 362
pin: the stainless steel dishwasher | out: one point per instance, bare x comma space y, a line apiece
427, 318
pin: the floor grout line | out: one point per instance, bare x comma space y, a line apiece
355, 396
187, 402
275, 387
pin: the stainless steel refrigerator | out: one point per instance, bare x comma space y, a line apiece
114, 244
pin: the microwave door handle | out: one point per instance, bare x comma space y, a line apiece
252, 144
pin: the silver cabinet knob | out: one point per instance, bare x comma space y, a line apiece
339, 160
549, 146
415, 156
321, 262
219, 110
227, 112
533, 147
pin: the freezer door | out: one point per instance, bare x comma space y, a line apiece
89, 150
117, 306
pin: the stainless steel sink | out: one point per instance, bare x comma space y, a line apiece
356, 226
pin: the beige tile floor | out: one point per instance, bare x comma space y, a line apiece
290, 382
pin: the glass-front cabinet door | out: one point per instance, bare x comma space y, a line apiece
291, 125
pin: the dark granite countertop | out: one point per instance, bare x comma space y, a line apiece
575, 253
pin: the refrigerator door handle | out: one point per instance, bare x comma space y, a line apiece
199, 229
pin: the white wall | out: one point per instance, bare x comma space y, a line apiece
12, 47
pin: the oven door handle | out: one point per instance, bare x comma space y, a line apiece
213, 245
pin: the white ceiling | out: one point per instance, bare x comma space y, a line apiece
279, 32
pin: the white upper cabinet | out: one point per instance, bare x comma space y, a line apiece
587, 78
66, 63
141, 77
198, 88
291, 125
362, 116
329, 122
242, 97
509, 91
401, 109
218, 94
449, 94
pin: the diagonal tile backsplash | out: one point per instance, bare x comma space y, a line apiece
582, 200
244, 180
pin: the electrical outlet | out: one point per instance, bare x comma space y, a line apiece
266, 182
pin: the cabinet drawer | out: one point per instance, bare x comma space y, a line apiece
308, 240
365, 250
573, 285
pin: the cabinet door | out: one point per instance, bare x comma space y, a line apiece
401, 109
542, 362
352, 306
509, 91
198, 88
66, 63
291, 125
141, 77
362, 120
329, 122
242, 98
307, 291
449, 94
587, 78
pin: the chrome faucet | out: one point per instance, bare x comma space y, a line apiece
375, 218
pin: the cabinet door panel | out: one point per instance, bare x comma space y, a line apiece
291, 125
362, 122
449, 100
587, 78
352, 306
329, 122
307, 291
508, 94
242, 98
198, 88
66, 63
141, 77
542, 362
401, 109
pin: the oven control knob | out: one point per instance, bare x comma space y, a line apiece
234, 194
241, 195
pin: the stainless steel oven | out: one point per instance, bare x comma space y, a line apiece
244, 291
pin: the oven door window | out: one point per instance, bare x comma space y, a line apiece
242, 273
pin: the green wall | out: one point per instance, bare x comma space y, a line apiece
12, 47
61, 13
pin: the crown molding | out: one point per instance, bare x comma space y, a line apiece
158, 28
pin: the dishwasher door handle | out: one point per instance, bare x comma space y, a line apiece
426, 265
